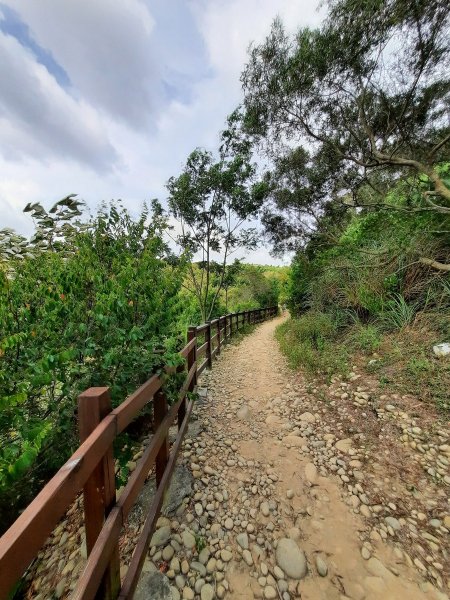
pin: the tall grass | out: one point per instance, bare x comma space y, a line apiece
397, 313
309, 342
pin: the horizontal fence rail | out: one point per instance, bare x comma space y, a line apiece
91, 470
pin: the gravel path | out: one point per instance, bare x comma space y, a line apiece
268, 516
286, 489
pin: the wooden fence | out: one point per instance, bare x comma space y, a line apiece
91, 469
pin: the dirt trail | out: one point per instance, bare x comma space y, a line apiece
284, 489
258, 428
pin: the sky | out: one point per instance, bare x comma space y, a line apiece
107, 99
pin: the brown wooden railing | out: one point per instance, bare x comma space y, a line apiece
91, 469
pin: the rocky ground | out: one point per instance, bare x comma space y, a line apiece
289, 489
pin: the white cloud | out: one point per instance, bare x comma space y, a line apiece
104, 47
229, 27
149, 81
37, 117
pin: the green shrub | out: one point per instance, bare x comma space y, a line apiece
314, 328
365, 337
102, 314
309, 342
418, 366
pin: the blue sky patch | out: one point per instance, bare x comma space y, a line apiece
11, 24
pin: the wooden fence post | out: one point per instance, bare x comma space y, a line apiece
209, 346
231, 325
224, 328
159, 412
100, 489
191, 359
192, 356
218, 336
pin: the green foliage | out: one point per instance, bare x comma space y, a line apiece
366, 114
123, 453
373, 267
103, 309
365, 337
200, 543
301, 276
212, 200
55, 230
418, 366
397, 313
257, 287
308, 340
372, 285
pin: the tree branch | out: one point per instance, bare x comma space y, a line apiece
434, 264
439, 146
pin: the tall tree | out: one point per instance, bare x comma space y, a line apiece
301, 187
213, 201
369, 90
230, 277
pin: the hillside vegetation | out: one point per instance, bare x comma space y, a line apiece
358, 138
366, 299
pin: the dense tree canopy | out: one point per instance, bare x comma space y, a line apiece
366, 97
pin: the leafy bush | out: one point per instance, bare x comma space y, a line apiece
315, 328
101, 314
368, 280
365, 337
257, 286
308, 342
100, 303
373, 265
